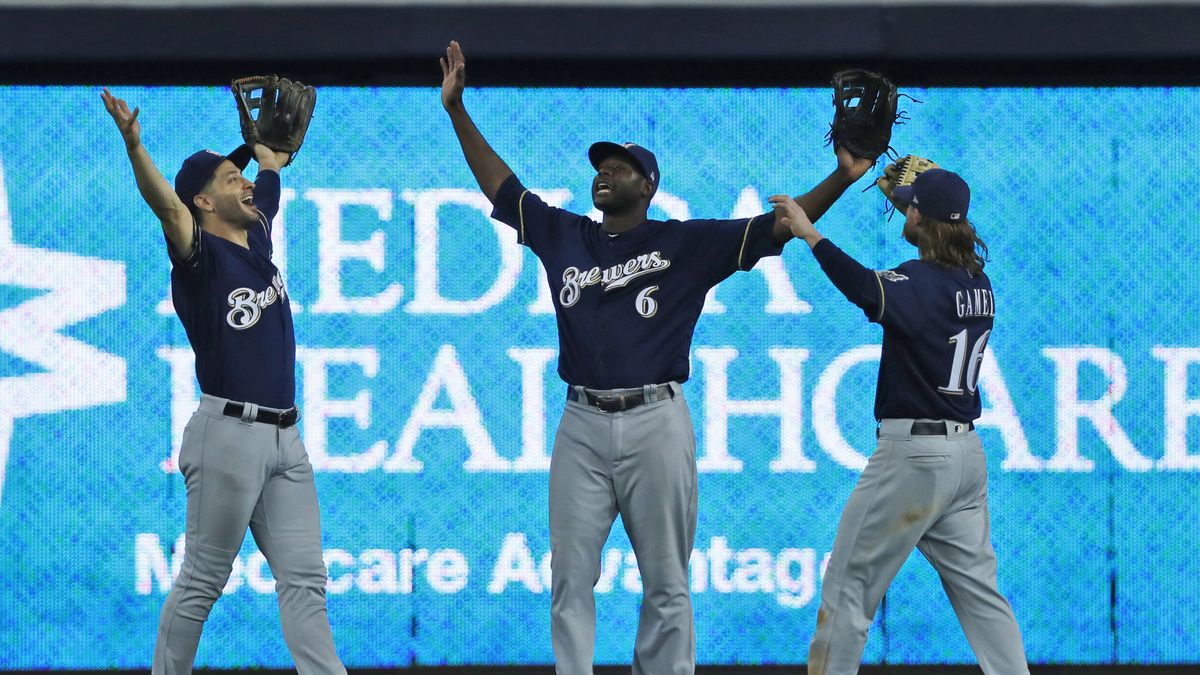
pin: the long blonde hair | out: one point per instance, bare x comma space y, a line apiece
951, 244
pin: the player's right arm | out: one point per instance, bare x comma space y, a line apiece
859, 284
176, 220
490, 171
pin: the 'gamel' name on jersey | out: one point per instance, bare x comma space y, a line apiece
974, 302
616, 276
248, 304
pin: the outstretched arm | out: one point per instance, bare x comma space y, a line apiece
156, 191
490, 171
859, 284
817, 201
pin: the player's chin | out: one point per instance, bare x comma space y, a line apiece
251, 213
605, 202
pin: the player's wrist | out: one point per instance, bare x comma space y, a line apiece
847, 175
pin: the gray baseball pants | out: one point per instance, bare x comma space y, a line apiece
640, 463
928, 492
241, 473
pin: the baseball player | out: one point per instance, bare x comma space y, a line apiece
926, 483
627, 293
241, 458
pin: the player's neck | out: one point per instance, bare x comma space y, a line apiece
616, 223
227, 231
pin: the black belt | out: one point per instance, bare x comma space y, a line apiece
611, 403
934, 428
938, 428
282, 420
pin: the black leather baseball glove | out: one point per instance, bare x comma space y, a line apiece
284, 108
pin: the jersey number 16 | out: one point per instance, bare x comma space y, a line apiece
963, 361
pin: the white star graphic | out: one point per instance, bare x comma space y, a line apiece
77, 375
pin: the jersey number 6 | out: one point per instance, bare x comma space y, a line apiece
646, 305
969, 363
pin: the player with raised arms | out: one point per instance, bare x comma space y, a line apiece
925, 486
242, 459
627, 294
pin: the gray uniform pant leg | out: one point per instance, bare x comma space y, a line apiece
286, 524
240, 474
655, 482
582, 509
643, 463
959, 546
915, 488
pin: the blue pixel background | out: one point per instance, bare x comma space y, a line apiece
1084, 196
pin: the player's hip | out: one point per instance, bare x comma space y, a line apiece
220, 428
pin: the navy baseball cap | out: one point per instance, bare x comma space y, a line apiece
642, 159
198, 168
940, 194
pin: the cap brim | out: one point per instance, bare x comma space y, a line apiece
241, 156
903, 194
604, 149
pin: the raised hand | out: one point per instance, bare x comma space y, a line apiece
850, 166
454, 76
269, 159
789, 213
127, 123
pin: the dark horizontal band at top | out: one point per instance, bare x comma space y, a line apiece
622, 45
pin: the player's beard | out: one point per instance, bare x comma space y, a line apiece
230, 209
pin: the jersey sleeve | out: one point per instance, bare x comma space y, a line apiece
859, 284
722, 247
901, 303
266, 194
887, 297
266, 199
526, 213
194, 262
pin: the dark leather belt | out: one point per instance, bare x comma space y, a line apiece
282, 420
933, 428
611, 403
937, 428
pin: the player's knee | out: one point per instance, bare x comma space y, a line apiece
196, 598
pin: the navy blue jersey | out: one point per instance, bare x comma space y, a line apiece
936, 324
234, 306
627, 305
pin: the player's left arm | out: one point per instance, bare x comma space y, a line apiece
267, 182
817, 201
